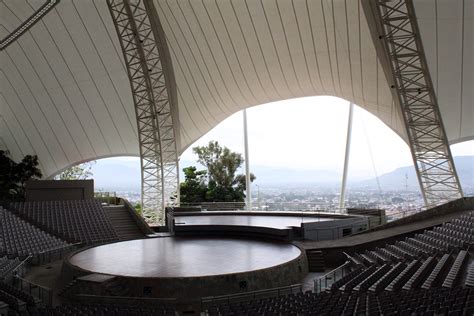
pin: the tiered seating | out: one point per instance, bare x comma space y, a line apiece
13, 302
371, 279
437, 273
470, 276
456, 269
107, 309
21, 239
358, 278
75, 221
437, 301
336, 285
24, 297
7, 265
420, 274
383, 281
402, 278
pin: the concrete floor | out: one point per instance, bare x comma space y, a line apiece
48, 276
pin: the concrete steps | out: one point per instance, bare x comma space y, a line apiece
123, 222
315, 260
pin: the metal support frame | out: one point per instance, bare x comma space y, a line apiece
28, 23
152, 96
346, 157
402, 47
248, 189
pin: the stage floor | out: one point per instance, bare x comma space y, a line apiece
177, 257
270, 221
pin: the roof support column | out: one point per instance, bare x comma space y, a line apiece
248, 191
154, 95
346, 157
396, 30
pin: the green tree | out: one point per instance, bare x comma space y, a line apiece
138, 208
219, 183
194, 187
13, 176
79, 172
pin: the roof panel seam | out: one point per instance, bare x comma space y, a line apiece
95, 85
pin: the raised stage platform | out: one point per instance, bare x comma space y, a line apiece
192, 267
277, 225
269, 221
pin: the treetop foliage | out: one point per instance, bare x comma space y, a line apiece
13, 176
78, 172
219, 183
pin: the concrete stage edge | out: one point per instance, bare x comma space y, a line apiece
192, 267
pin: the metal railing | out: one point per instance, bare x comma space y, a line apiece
374, 220
106, 197
329, 278
269, 206
19, 269
43, 293
126, 300
53, 254
206, 302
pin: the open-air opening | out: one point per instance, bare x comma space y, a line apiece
297, 157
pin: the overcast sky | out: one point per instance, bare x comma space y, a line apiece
310, 134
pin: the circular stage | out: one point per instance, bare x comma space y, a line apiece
193, 267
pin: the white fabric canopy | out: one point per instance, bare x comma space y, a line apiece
66, 96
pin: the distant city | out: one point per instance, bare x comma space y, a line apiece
395, 192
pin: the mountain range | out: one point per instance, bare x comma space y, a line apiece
125, 175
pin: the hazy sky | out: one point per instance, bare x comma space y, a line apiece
310, 134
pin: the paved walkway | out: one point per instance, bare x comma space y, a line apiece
49, 276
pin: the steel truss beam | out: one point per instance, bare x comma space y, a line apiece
402, 47
28, 23
154, 106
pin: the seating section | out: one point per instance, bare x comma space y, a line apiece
431, 273
21, 239
415, 276
74, 221
456, 269
470, 276
7, 265
458, 233
436, 301
106, 309
22, 296
15, 304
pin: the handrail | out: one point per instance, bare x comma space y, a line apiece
45, 294
127, 299
251, 295
335, 270
14, 270
41, 256
138, 219
330, 275
59, 248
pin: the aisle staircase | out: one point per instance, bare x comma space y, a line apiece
315, 260
123, 222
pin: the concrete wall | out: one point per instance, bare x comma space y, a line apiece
59, 190
192, 289
329, 230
